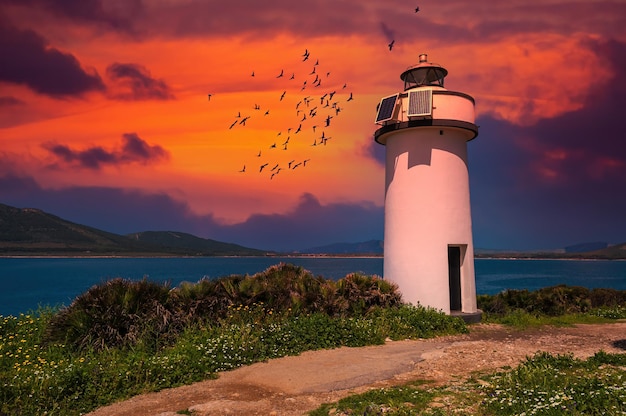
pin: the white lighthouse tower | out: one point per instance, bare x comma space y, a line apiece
428, 248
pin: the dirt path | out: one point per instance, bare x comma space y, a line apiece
294, 385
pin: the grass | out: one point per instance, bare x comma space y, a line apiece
545, 384
558, 385
59, 380
102, 349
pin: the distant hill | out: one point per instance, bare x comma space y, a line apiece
585, 247
371, 247
175, 241
29, 231
617, 251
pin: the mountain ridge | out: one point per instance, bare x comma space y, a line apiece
31, 231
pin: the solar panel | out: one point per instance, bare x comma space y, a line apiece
420, 103
386, 107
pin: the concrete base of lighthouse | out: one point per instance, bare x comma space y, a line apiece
469, 318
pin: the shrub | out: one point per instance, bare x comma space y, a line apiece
562, 300
408, 321
203, 300
358, 294
551, 301
119, 313
286, 287
601, 297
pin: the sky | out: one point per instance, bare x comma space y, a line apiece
172, 115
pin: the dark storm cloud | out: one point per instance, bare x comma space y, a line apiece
118, 15
121, 211
311, 18
561, 181
111, 209
133, 150
9, 101
309, 224
28, 60
138, 83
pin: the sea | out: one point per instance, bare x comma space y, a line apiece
27, 284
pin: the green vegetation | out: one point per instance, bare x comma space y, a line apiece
30, 231
556, 305
124, 338
560, 385
544, 384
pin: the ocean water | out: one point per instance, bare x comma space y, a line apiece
27, 283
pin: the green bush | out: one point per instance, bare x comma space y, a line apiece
411, 322
601, 297
119, 313
125, 313
551, 301
358, 294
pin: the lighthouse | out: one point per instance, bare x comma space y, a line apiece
428, 248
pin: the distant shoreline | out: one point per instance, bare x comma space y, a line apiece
315, 256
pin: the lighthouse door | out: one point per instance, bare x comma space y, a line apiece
454, 275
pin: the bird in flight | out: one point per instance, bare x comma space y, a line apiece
305, 55
391, 44
243, 169
350, 98
209, 95
281, 74
283, 95
262, 167
252, 74
417, 9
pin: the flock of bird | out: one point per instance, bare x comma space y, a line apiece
313, 108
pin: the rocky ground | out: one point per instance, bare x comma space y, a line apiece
294, 385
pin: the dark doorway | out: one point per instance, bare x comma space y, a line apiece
454, 275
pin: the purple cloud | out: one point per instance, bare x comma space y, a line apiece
560, 181
307, 225
28, 60
118, 15
138, 82
133, 150
7, 101
124, 211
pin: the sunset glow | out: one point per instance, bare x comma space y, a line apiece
141, 103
